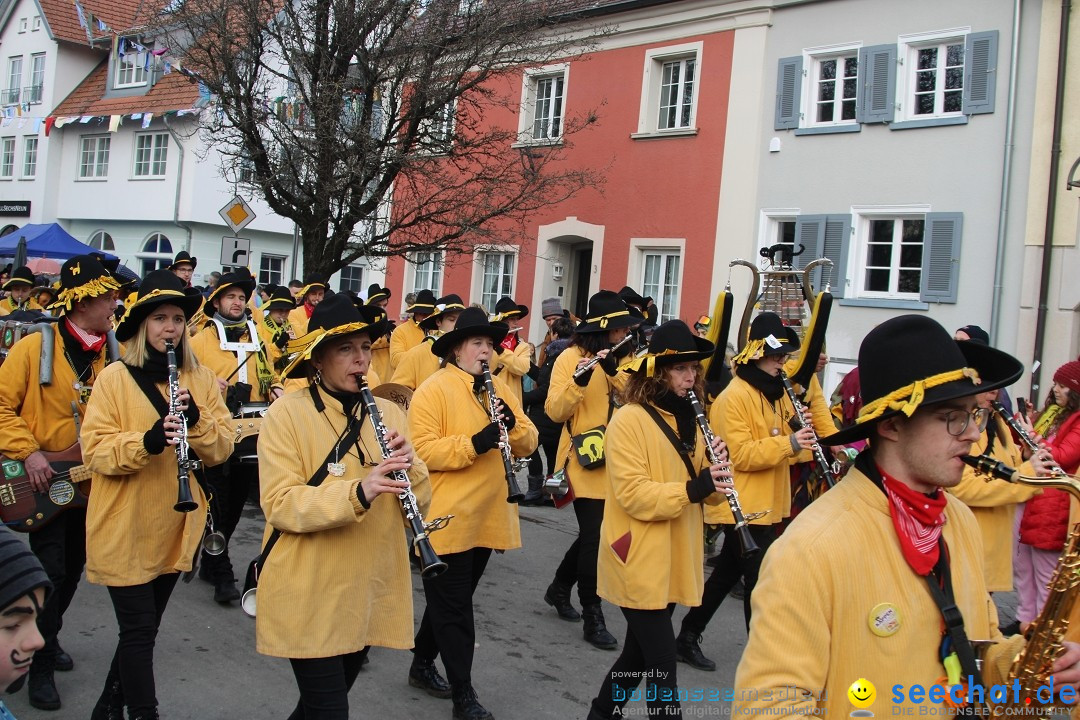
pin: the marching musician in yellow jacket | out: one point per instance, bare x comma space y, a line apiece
859, 586
992, 500
18, 289
309, 296
515, 361
379, 296
36, 417
136, 542
337, 578
585, 404
751, 415
409, 334
652, 547
455, 436
275, 331
418, 363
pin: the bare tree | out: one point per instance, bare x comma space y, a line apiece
330, 109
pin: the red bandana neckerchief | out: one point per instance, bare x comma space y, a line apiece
308, 307
918, 519
88, 341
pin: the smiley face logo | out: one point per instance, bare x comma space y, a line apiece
862, 694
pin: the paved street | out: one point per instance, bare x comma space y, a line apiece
529, 664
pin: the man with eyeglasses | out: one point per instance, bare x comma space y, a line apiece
880, 581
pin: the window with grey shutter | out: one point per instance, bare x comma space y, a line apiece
824, 236
980, 72
788, 90
877, 84
810, 234
941, 257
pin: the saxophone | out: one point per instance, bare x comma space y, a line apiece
1031, 667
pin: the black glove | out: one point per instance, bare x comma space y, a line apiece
509, 420
361, 497
154, 439
610, 364
583, 379
700, 487
486, 439
191, 414
281, 339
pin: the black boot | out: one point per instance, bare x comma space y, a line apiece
688, 650
64, 663
110, 706
424, 675
43, 693
144, 714
596, 632
467, 707
558, 597
225, 590
535, 496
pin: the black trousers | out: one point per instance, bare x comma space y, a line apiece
648, 653
138, 611
729, 568
550, 446
579, 563
447, 627
324, 685
228, 486
61, 548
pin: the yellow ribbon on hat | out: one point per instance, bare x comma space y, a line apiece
603, 319
634, 364
67, 297
302, 347
908, 398
150, 296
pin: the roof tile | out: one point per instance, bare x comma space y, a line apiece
172, 92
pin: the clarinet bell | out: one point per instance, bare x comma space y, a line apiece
514, 494
746, 542
430, 564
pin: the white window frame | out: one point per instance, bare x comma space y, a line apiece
359, 287
635, 271
30, 155
98, 170
527, 117
812, 59
652, 77
908, 47
13, 86
22, 25
107, 244
7, 158
160, 259
156, 156
38, 74
861, 218
438, 133
479, 265
36, 24
134, 70
414, 264
769, 227
267, 274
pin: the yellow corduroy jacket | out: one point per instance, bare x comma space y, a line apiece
299, 320
415, 366
7, 306
513, 365
584, 408
993, 503
406, 336
760, 461
133, 535
38, 417
380, 356
443, 417
647, 505
834, 576
207, 348
338, 577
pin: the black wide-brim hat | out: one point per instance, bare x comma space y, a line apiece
446, 304
506, 308
184, 257
237, 278
910, 362
83, 277
648, 313
472, 322
21, 276
159, 287
424, 302
671, 343
606, 312
376, 292
310, 283
280, 299
335, 317
767, 336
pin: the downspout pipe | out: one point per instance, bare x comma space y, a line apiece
179, 184
1051, 204
1006, 179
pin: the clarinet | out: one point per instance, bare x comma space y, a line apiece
591, 363
799, 422
746, 541
430, 564
1022, 433
184, 464
513, 492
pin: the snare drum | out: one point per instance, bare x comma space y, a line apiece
246, 425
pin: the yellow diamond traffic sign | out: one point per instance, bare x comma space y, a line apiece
237, 214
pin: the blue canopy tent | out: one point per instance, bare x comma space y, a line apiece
48, 240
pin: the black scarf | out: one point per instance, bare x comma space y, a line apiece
156, 366
771, 386
685, 422
349, 400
